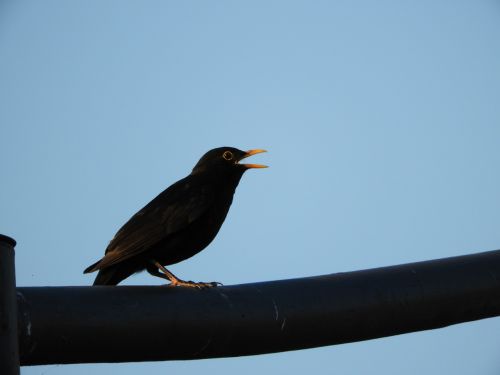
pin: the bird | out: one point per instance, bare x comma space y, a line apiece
179, 223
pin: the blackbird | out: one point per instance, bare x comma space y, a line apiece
179, 223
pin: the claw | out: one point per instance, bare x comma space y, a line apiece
192, 284
175, 281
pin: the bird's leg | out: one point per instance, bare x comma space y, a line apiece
174, 280
153, 270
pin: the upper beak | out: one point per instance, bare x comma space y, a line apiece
250, 153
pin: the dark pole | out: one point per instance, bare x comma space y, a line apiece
135, 323
9, 349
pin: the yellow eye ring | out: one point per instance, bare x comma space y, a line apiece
228, 155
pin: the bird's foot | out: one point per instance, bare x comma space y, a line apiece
192, 284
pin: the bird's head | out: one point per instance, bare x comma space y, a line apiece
226, 159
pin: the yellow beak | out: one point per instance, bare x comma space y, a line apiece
250, 153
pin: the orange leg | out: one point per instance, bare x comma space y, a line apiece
174, 280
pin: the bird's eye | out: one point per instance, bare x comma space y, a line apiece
228, 155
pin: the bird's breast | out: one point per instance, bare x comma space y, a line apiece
198, 235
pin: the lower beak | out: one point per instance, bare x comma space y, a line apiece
250, 153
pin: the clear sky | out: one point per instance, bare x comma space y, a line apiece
382, 121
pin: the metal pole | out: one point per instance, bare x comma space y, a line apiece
146, 323
9, 349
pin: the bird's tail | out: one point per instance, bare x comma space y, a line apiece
104, 276
93, 267
107, 276
111, 275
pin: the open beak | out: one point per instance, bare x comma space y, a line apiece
250, 153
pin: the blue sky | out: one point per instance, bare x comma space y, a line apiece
381, 120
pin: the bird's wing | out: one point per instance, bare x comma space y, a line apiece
171, 211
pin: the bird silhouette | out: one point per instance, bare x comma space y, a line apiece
179, 223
